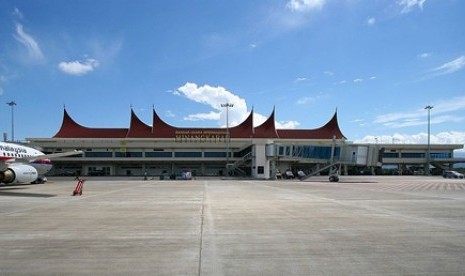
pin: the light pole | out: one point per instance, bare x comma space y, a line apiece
12, 105
428, 153
227, 105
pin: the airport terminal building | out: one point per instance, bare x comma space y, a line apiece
260, 152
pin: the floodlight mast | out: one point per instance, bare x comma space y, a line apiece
228, 138
428, 153
12, 105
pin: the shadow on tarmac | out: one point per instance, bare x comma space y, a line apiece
10, 191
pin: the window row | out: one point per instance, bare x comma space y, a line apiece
311, 152
157, 154
436, 155
20, 155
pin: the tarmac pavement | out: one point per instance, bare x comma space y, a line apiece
370, 225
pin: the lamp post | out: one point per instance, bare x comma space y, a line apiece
12, 105
227, 105
428, 153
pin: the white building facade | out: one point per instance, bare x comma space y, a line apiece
260, 152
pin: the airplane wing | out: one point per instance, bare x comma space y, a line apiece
56, 155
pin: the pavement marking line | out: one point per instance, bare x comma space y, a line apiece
68, 200
358, 204
209, 227
202, 215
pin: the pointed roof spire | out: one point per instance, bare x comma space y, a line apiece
161, 129
244, 129
70, 129
267, 129
137, 128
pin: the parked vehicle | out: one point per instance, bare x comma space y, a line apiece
289, 174
452, 174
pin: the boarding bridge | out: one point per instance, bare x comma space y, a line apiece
313, 159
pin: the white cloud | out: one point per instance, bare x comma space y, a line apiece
305, 100
77, 67
170, 114
328, 73
425, 55
302, 79
214, 116
454, 104
3, 80
440, 114
358, 80
18, 14
449, 67
371, 21
287, 124
408, 5
259, 119
305, 5
215, 97
34, 51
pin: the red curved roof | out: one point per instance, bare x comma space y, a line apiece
160, 129
329, 131
71, 129
244, 129
137, 128
267, 129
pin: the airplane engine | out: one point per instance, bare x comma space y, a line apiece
19, 174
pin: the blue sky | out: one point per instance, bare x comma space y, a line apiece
378, 62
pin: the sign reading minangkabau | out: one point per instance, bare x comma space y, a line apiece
200, 136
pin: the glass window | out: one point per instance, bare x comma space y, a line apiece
159, 154
413, 155
98, 154
441, 155
215, 154
390, 155
128, 154
188, 154
314, 152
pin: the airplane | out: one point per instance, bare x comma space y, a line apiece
20, 164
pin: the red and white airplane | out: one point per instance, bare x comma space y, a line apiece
21, 164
